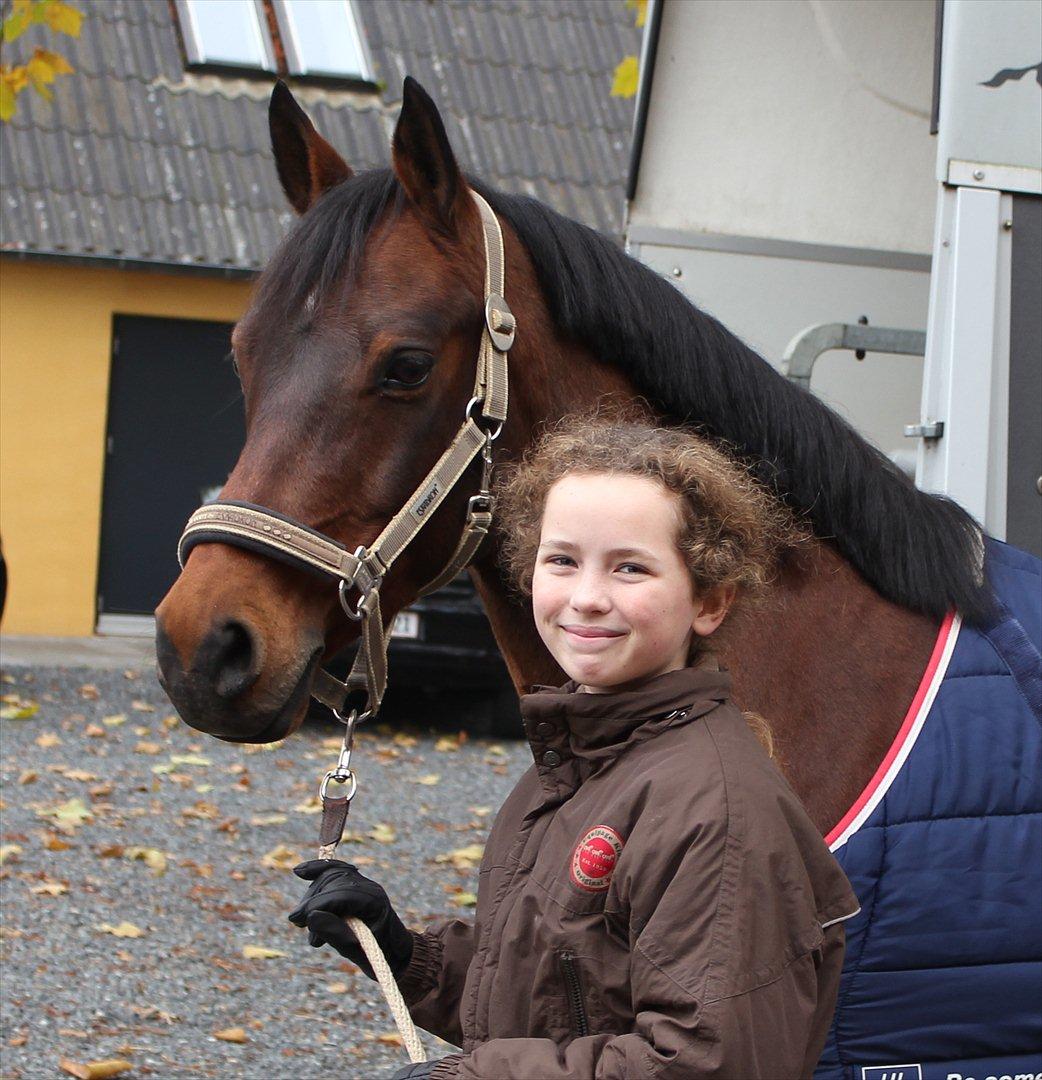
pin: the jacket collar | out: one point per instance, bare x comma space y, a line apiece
585, 730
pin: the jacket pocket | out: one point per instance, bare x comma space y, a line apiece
574, 991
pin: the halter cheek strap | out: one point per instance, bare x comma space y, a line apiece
268, 532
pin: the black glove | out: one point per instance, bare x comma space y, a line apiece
420, 1070
337, 889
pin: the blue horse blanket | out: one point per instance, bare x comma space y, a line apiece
943, 972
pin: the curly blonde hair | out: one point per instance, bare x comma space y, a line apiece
732, 532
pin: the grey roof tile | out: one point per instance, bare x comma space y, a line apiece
136, 159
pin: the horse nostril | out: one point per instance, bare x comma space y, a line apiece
228, 656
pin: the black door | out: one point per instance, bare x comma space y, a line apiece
175, 429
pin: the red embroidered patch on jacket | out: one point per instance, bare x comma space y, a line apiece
594, 858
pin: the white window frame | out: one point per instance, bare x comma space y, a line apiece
295, 61
194, 44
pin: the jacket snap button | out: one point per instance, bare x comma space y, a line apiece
544, 729
551, 759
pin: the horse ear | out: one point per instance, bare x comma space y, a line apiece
306, 163
424, 162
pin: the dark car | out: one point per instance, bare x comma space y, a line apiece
444, 666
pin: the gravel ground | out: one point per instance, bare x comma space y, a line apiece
103, 768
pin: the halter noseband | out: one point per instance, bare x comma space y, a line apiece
270, 533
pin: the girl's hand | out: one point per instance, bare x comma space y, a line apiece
337, 890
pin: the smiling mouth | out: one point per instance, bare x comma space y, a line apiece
591, 633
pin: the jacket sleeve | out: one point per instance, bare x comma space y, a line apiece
767, 1033
432, 984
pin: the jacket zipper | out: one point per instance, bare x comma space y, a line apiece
576, 1005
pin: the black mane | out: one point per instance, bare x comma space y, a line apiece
920, 551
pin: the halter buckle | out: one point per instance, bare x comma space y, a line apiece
500, 321
364, 579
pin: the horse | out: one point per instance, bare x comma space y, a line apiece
356, 358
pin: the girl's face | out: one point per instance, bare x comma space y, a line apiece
611, 593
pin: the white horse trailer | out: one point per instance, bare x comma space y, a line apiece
862, 179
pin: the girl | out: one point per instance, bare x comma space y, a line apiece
653, 899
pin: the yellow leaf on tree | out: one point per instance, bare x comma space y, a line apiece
258, 952
95, 1070
233, 1035
62, 18
124, 929
624, 84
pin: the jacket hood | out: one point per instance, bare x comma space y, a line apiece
594, 727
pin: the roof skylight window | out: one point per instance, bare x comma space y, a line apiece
226, 32
321, 38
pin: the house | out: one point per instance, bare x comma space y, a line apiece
138, 206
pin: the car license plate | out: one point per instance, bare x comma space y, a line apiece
406, 625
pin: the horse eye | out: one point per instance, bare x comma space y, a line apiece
408, 370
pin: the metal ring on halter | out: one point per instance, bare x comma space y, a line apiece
340, 778
358, 614
490, 435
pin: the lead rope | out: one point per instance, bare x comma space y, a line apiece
334, 816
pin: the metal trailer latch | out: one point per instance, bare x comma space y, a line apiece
932, 430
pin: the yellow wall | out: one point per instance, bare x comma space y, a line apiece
55, 353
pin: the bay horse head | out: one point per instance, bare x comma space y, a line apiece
357, 358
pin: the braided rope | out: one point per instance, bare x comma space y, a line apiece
399, 1010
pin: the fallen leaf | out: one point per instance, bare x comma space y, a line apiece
390, 1038
200, 809
48, 739
28, 776
69, 815
465, 899
268, 819
125, 929
232, 1035
18, 1040
189, 759
311, 805
130, 674
50, 888
20, 710
497, 750
382, 833
79, 775
142, 706
94, 731
159, 770
429, 780
401, 739
55, 843
258, 952
95, 1070
154, 859
281, 858
170, 722
148, 748
480, 811
447, 744
337, 988
114, 720
202, 788
464, 858
100, 790
111, 851
9, 852
150, 1012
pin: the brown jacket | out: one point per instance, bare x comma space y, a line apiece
653, 902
